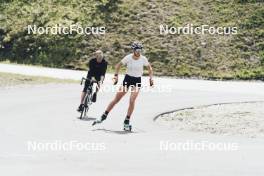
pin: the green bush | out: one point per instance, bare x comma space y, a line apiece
208, 56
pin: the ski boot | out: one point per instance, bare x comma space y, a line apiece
127, 126
80, 108
103, 117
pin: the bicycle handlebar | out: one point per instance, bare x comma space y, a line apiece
91, 80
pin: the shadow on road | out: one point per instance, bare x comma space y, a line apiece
87, 118
114, 131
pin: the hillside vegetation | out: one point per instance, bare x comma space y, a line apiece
239, 56
8, 80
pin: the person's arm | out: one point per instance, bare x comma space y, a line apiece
90, 64
150, 71
124, 61
103, 73
90, 69
117, 69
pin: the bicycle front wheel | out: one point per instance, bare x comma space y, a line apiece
86, 106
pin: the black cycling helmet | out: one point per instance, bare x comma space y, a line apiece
136, 45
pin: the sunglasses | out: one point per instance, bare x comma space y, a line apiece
138, 50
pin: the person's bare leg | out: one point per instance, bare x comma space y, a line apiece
97, 87
82, 97
121, 92
132, 100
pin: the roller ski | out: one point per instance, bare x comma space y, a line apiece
127, 126
100, 120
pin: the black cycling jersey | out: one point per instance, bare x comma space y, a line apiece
97, 69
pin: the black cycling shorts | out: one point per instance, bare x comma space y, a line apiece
87, 83
132, 81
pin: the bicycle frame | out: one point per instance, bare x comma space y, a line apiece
88, 96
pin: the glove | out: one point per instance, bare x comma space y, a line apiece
151, 83
115, 79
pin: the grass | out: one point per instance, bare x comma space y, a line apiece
10, 80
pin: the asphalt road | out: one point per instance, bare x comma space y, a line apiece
47, 114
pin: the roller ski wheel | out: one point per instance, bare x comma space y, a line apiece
96, 122
100, 120
127, 127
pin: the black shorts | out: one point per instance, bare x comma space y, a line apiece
132, 81
87, 83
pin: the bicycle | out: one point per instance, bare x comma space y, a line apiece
88, 96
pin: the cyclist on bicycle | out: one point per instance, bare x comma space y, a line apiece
135, 63
97, 70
